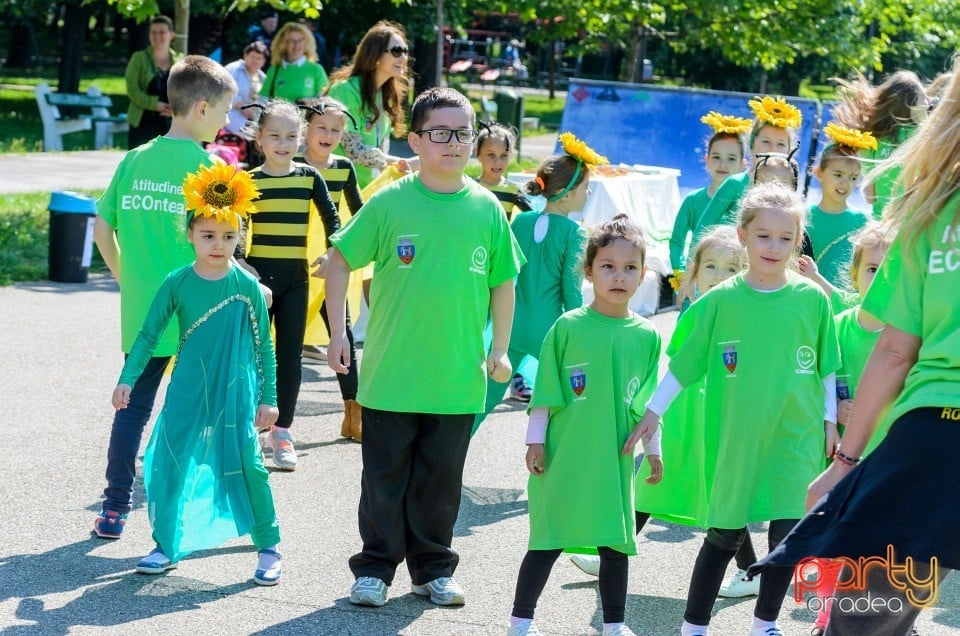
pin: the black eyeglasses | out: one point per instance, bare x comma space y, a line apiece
397, 51
444, 135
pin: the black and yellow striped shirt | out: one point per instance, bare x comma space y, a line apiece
279, 228
341, 180
509, 196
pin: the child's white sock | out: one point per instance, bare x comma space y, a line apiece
267, 561
689, 629
514, 621
761, 625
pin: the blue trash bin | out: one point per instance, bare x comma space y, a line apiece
71, 236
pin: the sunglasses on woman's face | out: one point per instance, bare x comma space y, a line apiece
397, 51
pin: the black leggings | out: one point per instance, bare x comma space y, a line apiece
718, 548
535, 570
745, 555
287, 279
348, 380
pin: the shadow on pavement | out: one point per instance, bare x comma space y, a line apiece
345, 619
485, 506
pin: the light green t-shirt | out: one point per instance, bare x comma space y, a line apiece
763, 356
686, 223
830, 236
374, 133
916, 291
436, 257
856, 344
722, 209
885, 184
144, 203
549, 284
291, 82
596, 374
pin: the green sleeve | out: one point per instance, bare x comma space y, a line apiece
896, 295
638, 405
548, 387
829, 354
268, 360
682, 225
158, 317
269, 82
690, 345
322, 80
723, 205
506, 257
137, 70
346, 93
109, 202
571, 283
359, 239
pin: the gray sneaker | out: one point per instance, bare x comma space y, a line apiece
284, 454
368, 590
442, 591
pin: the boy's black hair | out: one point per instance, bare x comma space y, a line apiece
435, 99
197, 78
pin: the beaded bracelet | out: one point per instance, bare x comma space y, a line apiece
845, 459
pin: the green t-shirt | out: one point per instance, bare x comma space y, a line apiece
722, 209
144, 203
885, 184
192, 299
915, 291
763, 357
291, 82
549, 284
686, 223
596, 374
373, 132
830, 238
856, 344
436, 258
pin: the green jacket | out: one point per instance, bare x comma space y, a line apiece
140, 70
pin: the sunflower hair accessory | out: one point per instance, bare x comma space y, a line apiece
850, 137
580, 151
221, 192
727, 124
776, 112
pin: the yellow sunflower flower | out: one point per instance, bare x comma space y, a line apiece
580, 150
726, 124
776, 112
221, 192
850, 137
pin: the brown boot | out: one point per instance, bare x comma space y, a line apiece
351, 426
356, 422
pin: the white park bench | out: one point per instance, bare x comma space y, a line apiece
56, 124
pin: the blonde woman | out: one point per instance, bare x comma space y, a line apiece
294, 73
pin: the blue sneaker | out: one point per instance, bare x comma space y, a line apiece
269, 567
155, 563
109, 524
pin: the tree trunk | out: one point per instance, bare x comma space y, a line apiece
438, 72
552, 68
75, 19
426, 67
181, 25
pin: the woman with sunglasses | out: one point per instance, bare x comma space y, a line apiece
373, 88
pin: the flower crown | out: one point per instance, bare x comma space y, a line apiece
221, 192
776, 112
850, 137
580, 151
727, 124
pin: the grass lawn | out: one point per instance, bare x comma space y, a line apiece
21, 129
24, 232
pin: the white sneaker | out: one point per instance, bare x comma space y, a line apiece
589, 563
527, 628
766, 631
617, 629
737, 587
155, 563
284, 454
368, 590
442, 591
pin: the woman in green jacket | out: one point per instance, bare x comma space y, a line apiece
149, 113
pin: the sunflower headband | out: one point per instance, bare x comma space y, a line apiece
220, 192
727, 124
776, 112
850, 137
583, 154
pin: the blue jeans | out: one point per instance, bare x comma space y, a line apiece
125, 436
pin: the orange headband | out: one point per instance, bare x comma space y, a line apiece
540, 183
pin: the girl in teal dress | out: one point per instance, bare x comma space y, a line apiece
598, 366
204, 478
549, 284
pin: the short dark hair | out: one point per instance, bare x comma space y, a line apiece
434, 99
197, 78
257, 46
162, 19
619, 227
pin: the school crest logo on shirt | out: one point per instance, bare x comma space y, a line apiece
730, 358
843, 390
578, 381
406, 250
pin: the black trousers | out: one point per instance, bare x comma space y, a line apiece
719, 547
745, 556
535, 570
287, 279
410, 493
348, 381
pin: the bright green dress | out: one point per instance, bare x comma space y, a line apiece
686, 223
204, 478
884, 186
722, 209
596, 374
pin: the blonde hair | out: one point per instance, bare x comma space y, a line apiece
278, 47
722, 238
930, 162
773, 196
873, 235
